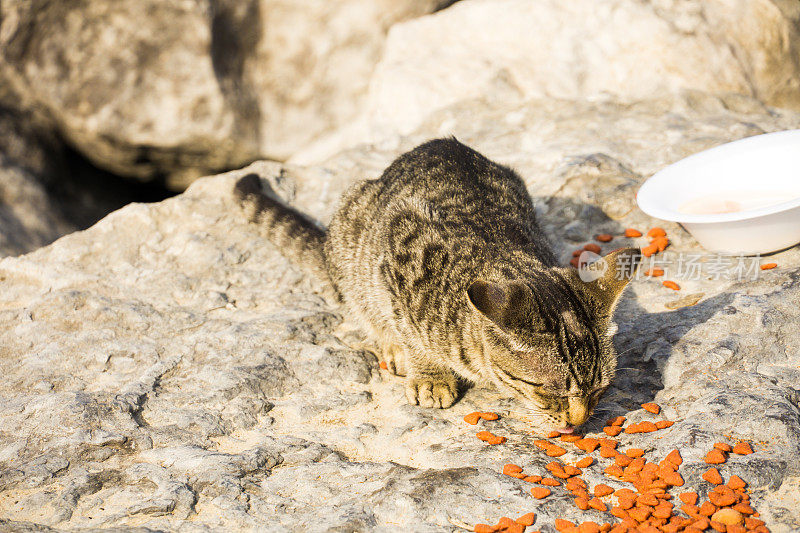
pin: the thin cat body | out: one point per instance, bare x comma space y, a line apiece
442, 261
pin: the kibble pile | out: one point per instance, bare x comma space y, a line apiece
658, 243
646, 506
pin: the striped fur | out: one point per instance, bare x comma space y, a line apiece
442, 260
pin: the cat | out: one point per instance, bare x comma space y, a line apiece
442, 261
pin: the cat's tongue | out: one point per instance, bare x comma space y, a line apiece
565, 430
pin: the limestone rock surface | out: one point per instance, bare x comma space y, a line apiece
621, 50
156, 87
168, 369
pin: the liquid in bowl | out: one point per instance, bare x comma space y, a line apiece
734, 202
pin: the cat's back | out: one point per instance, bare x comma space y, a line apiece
442, 168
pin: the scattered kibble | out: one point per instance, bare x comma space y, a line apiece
654, 272
743, 448
648, 509
490, 438
472, 418
768, 266
649, 250
713, 476
632, 233
604, 237
656, 232
383, 365
526, 520
651, 408
671, 285
729, 517
660, 242
540, 492
715, 457
592, 247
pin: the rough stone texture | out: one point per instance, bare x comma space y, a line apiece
152, 87
622, 49
169, 369
29, 215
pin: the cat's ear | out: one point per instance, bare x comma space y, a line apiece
500, 302
606, 278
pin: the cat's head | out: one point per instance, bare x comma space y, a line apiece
549, 339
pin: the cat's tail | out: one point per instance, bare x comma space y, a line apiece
297, 236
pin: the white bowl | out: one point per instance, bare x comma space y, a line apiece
758, 175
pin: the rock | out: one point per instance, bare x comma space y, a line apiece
181, 88
30, 216
624, 50
168, 368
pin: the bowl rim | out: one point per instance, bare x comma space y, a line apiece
657, 211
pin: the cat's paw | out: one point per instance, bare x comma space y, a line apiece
395, 358
431, 391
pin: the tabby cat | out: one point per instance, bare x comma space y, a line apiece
442, 260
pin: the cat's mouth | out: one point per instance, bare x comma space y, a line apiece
568, 429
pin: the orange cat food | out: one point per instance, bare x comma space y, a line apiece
602, 490
723, 446
604, 237
383, 365
585, 462
660, 242
742, 448
550, 482
649, 250
736, 483
688, 497
526, 520
656, 232
472, 418
588, 444
654, 272
563, 525
671, 285
768, 266
511, 468
540, 492
632, 233
674, 457
484, 528
487, 415
715, 457
651, 408
534, 478
729, 517
663, 424
616, 421
712, 476
555, 451
592, 247
612, 431
490, 438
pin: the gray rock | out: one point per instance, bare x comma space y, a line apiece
624, 50
168, 369
182, 88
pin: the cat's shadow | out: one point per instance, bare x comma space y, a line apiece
645, 340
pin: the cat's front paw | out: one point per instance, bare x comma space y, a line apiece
431, 391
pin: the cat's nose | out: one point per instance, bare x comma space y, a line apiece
578, 411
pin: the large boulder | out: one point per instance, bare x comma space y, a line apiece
169, 369
624, 50
157, 87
